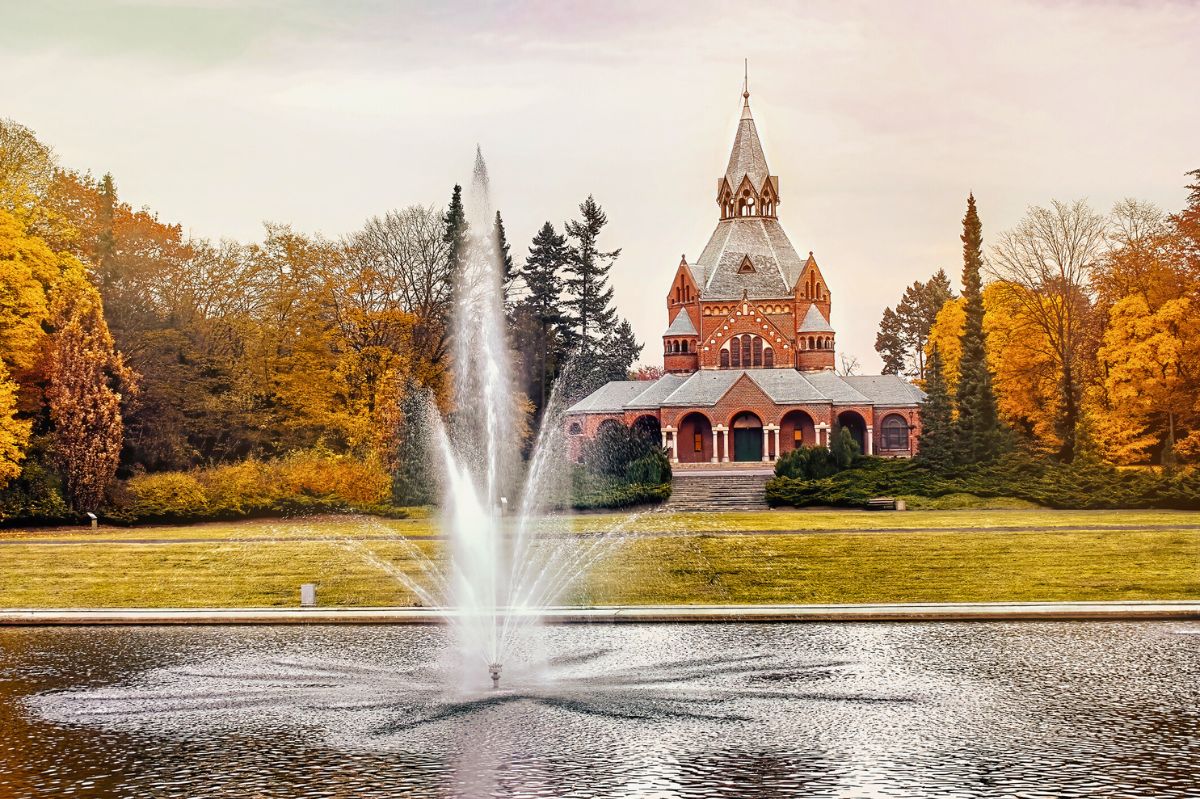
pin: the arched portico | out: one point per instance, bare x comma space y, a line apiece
747, 436
797, 429
694, 439
646, 426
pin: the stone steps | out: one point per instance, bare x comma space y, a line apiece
718, 492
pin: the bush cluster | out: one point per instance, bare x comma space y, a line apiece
622, 466
1078, 486
303, 482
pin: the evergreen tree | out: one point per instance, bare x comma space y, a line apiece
412, 481
978, 424
106, 242
612, 359
589, 297
507, 275
904, 330
844, 448
889, 343
454, 225
542, 275
936, 442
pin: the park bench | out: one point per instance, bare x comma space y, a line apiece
885, 503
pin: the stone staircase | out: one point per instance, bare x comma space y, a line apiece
718, 489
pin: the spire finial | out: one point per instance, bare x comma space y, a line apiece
746, 81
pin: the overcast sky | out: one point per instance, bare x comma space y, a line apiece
878, 118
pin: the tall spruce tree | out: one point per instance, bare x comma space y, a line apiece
890, 344
590, 315
454, 223
903, 330
542, 275
507, 275
937, 439
978, 425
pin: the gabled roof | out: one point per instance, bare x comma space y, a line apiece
776, 262
835, 388
785, 386
682, 325
747, 159
814, 322
886, 389
704, 387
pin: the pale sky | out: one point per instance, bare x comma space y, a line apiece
878, 118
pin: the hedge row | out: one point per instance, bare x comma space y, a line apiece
1048, 483
622, 496
303, 482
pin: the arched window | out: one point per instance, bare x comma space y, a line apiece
829, 342
769, 358
757, 344
895, 433
812, 343
745, 351
725, 359
735, 353
683, 347
575, 429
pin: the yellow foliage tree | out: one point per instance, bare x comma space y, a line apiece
14, 432
28, 269
946, 337
1145, 354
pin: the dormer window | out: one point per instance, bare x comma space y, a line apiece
747, 266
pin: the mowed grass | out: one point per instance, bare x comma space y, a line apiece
683, 558
425, 525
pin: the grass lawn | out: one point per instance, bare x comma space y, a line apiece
832, 557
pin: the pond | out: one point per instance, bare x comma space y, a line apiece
667, 710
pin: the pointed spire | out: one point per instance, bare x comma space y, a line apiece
747, 158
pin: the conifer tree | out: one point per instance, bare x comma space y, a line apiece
590, 314
413, 481
936, 442
454, 223
542, 275
506, 262
978, 422
889, 343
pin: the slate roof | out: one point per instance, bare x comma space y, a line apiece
682, 326
656, 392
612, 397
706, 387
777, 265
886, 389
747, 158
814, 322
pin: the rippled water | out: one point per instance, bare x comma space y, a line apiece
739, 710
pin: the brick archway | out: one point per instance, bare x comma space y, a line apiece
796, 428
857, 425
747, 428
694, 438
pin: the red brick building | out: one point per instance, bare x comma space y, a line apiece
749, 348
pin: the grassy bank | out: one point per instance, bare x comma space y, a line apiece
817, 556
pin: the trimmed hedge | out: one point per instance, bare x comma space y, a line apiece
622, 496
1048, 483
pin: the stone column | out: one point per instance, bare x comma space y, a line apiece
766, 456
727, 432
715, 456
664, 438
672, 437
870, 440
777, 452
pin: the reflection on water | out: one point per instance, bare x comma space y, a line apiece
946, 710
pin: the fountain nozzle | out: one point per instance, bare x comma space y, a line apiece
494, 670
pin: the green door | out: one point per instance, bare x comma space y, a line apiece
747, 444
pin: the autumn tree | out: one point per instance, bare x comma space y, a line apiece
977, 422
14, 431
85, 376
1051, 255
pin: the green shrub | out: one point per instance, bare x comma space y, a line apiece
651, 469
35, 495
1080, 486
622, 496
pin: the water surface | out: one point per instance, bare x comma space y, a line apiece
738, 710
